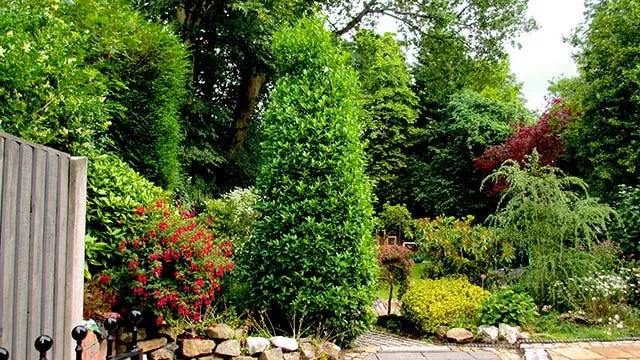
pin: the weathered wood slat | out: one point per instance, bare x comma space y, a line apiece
60, 278
36, 259
75, 241
8, 235
49, 244
21, 267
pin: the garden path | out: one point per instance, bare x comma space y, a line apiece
608, 350
375, 345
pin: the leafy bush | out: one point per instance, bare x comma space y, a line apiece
397, 219
147, 71
312, 251
627, 230
173, 268
508, 307
432, 303
114, 192
397, 267
548, 217
47, 93
459, 247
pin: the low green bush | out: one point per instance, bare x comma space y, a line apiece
508, 307
627, 229
114, 192
457, 246
429, 304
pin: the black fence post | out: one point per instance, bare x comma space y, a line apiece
78, 334
43, 344
4, 354
135, 317
111, 324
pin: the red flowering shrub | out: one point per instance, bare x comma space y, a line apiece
174, 268
545, 136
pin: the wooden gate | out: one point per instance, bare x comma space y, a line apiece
42, 228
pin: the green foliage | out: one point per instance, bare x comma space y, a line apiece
603, 143
459, 247
172, 268
627, 230
391, 110
313, 252
396, 218
508, 307
48, 94
397, 267
444, 179
548, 216
114, 192
429, 304
147, 73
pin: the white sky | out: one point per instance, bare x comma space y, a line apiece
544, 56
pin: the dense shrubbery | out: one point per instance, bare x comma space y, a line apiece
549, 218
47, 93
627, 229
114, 192
312, 251
146, 72
432, 303
508, 307
456, 246
173, 267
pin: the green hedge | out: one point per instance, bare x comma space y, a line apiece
313, 251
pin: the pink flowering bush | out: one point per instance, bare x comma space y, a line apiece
174, 268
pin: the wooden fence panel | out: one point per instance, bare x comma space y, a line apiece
42, 225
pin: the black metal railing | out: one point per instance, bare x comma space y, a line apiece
44, 343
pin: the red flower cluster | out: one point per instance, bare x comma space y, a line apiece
172, 269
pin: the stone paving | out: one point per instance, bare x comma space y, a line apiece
375, 345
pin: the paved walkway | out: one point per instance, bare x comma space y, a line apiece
375, 345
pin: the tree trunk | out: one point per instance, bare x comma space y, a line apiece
250, 85
390, 297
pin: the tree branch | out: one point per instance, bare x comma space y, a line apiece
368, 9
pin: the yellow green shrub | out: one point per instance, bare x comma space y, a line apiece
429, 304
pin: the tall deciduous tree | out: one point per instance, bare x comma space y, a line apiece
231, 60
605, 142
444, 180
391, 111
313, 251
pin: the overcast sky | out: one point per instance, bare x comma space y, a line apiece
544, 56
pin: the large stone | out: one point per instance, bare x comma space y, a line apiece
219, 332
257, 344
284, 343
243, 358
509, 333
273, 354
170, 333
460, 335
329, 350
292, 356
308, 351
228, 348
211, 357
153, 344
489, 333
166, 353
196, 347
